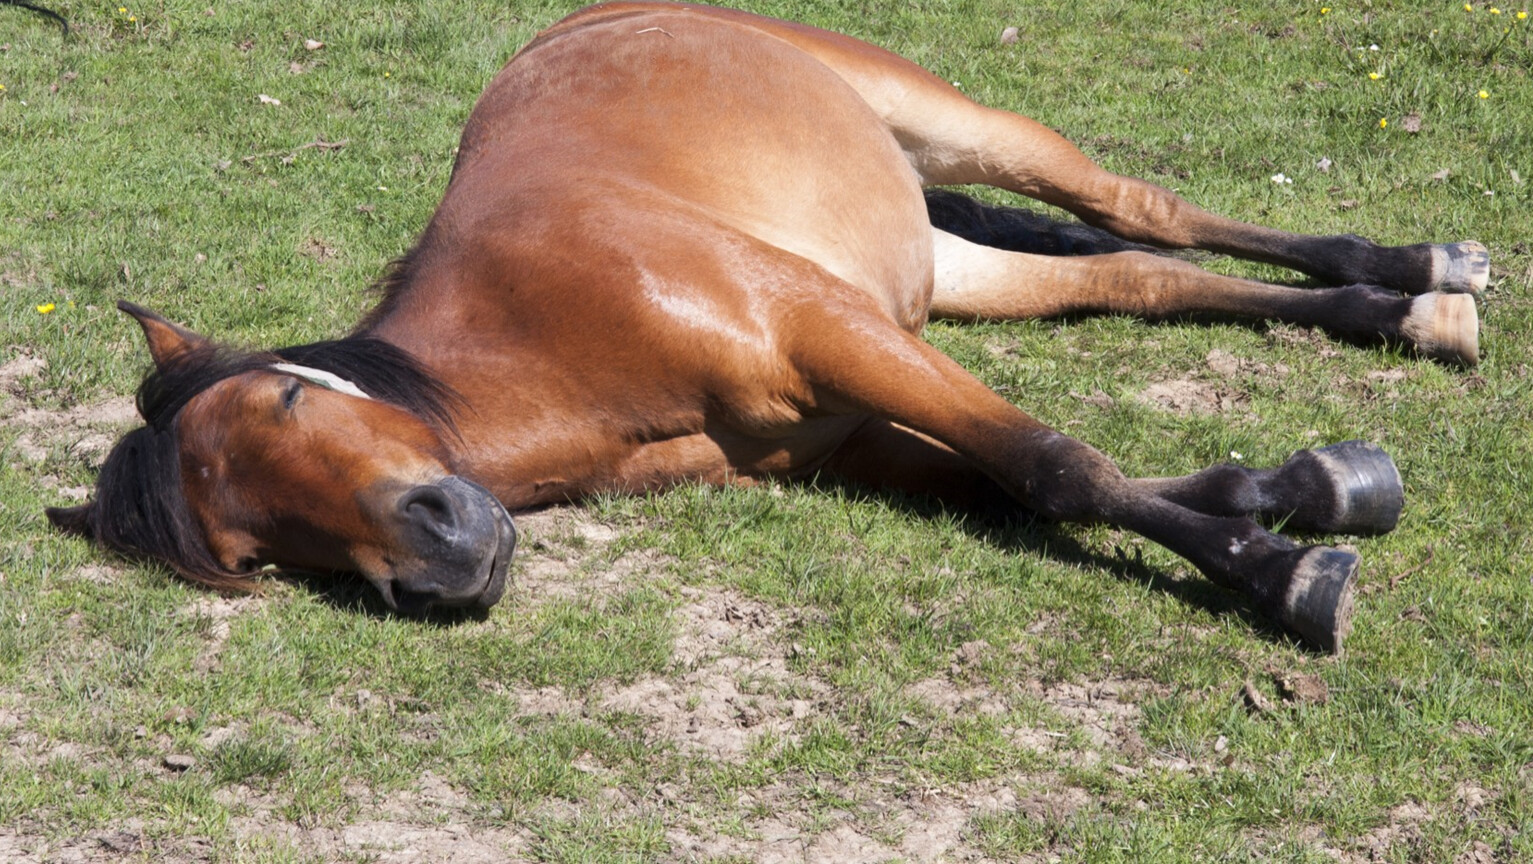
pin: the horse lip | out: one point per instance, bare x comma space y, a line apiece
500, 562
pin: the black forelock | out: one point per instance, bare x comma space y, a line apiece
141, 509
386, 373
167, 389
380, 369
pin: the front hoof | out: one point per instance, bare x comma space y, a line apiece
1460, 268
1369, 494
1318, 604
1444, 327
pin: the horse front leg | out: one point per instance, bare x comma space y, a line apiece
853, 360
1348, 488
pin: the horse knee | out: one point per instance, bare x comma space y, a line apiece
1069, 481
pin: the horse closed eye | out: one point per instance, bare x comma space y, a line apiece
291, 393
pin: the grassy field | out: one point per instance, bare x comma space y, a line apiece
784, 673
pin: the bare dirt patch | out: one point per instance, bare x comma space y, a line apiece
130, 843
1189, 395
18, 369
732, 686
218, 611
881, 823
1403, 828
564, 554
85, 432
430, 823
1310, 339
1214, 389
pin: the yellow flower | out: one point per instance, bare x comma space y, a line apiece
1374, 76
1325, 10
122, 10
1523, 15
1483, 95
132, 18
1495, 11
1383, 121
45, 308
1468, 8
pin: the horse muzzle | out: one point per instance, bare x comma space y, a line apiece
461, 539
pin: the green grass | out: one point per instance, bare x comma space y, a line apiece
137, 161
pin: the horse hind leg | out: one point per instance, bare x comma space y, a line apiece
979, 282
951, 141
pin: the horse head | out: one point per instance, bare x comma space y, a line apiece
330, 457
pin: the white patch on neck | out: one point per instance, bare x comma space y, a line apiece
328, 380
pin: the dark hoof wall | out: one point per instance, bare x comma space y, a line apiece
1318, 605
1369, 494
1460, 267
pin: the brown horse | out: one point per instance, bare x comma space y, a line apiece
684, 244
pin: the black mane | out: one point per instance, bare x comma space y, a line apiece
141, 509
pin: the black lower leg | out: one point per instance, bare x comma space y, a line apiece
1347, 488
1307, 589
1356, 311
1442, 327
1343, 259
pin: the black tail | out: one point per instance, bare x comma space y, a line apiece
1018, 230
47, 13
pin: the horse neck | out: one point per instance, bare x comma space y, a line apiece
447, 324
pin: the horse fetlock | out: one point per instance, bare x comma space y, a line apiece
1365, 492
1444, 327
1317, 604
1460, 267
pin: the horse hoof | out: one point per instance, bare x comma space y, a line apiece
1369, 494
1318, 605
1444, 327
1460, 268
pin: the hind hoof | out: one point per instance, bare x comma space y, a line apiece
1369, 494
1318, 605
1444, 327
1460, 268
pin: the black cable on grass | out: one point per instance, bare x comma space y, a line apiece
46, 13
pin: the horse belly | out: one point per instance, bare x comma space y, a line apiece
723, 117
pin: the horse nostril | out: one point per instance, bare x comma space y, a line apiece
431, 509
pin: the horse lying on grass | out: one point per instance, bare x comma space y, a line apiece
684, 244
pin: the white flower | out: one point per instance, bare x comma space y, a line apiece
1280, 178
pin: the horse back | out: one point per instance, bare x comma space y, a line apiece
705, 112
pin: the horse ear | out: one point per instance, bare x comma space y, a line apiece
72, 520
167, 341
